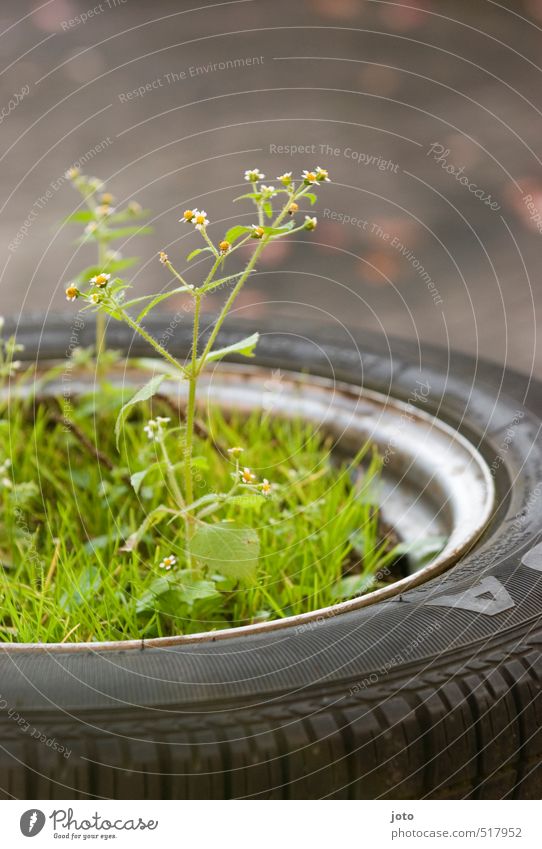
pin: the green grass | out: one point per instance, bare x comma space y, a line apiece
64, 516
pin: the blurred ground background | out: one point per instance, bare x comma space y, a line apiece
372, 84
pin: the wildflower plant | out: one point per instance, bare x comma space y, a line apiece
9, 348
209, 545
104, 224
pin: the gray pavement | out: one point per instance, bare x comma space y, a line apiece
428, 117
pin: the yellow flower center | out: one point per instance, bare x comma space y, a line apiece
200, 219
188, 215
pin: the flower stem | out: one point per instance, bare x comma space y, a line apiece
171, 477
193, 378
152, 341
239, 285
100, 316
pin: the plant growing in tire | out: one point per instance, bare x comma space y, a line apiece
175, 522
137, 662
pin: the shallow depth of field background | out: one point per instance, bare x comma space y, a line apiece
444, 251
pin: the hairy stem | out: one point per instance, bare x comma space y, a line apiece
152, 341
190, 412
100, 316
170, 472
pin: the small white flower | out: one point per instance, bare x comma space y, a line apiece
168, 562
200, 219
253, 175
100, 280
310, 223
247, 476
150, 428
235, 451
91, 227
72, 292
268, 191
155, 427
257, 231
95, 298
266, 487
285, 178
188, 215
72, 173
322, 175
104, 209
309, 177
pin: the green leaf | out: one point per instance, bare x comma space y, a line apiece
143, 394
311, 197
251, 501
268, 209
150, 520
170, 593
195, 253
190, 590
83, 216
236, 232
245, 347
88, 583
137, 479
353, 585
230, 551
277, 231
103, 541
158, 300
420, 551
252, 195
149, 601
110, 267
127, 215
124, 233
155, 365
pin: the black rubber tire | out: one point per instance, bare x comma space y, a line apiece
357, 706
